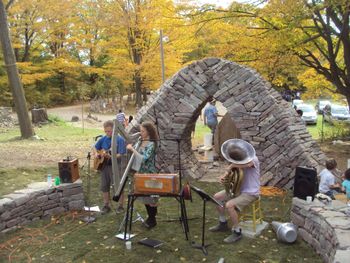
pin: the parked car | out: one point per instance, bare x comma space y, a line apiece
309, 113
321, 104
336, 113
295, 103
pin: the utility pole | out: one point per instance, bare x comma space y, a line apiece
162, 55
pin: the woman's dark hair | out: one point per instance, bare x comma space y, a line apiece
331, 164
152, 131
130, 118
347, 174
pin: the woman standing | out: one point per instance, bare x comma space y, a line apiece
147, 152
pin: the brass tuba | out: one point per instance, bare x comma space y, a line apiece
236, 151
232, 182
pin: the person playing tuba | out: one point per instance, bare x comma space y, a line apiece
242, 185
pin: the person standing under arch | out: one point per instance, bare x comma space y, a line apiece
211, 117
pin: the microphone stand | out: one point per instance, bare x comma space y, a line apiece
88, 219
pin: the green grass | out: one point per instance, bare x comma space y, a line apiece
19, 178
57, 141
66, 239
199, 133
330, 132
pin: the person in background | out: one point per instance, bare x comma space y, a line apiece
121, 117
147, 153
346, 185
327, 180
130, 119
102, 149
211, 117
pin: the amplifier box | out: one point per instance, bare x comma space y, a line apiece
68, 170
156, 184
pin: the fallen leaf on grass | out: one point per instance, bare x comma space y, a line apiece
204, 259
151, 260
105, 237
88, 242
63, 247
182, 259
176, 249
159, 251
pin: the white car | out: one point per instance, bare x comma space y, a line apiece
296, 103
309, 113
336, 113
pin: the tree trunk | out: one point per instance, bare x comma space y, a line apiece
138, 87
13, 76
39, 116
144, 94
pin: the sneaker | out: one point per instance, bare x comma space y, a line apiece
106, 209
120, 210
234, 237
221, 227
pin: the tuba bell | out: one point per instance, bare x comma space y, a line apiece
236, 151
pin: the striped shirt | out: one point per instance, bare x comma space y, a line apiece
121, 117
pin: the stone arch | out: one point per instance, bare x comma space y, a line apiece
263, 118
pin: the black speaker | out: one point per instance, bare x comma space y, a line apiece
68, 170
305, 182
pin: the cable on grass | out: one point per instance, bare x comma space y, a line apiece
36, 237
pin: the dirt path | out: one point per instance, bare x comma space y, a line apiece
66, 114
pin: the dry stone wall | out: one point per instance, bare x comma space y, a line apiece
263, 118
324, 227
38, 201
6, 121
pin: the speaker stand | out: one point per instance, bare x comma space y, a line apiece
88, 219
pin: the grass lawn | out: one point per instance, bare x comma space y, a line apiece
67, 239
329, 131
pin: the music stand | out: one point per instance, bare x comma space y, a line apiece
205, 197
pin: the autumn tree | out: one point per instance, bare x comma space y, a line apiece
13, 76
134, 49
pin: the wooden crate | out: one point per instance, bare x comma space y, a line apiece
156, 184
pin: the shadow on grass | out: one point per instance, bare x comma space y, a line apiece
67, 239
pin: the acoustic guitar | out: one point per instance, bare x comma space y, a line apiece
101, 158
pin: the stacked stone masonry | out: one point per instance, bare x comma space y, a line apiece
326, 228
263, 118
38, 201
6, 120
